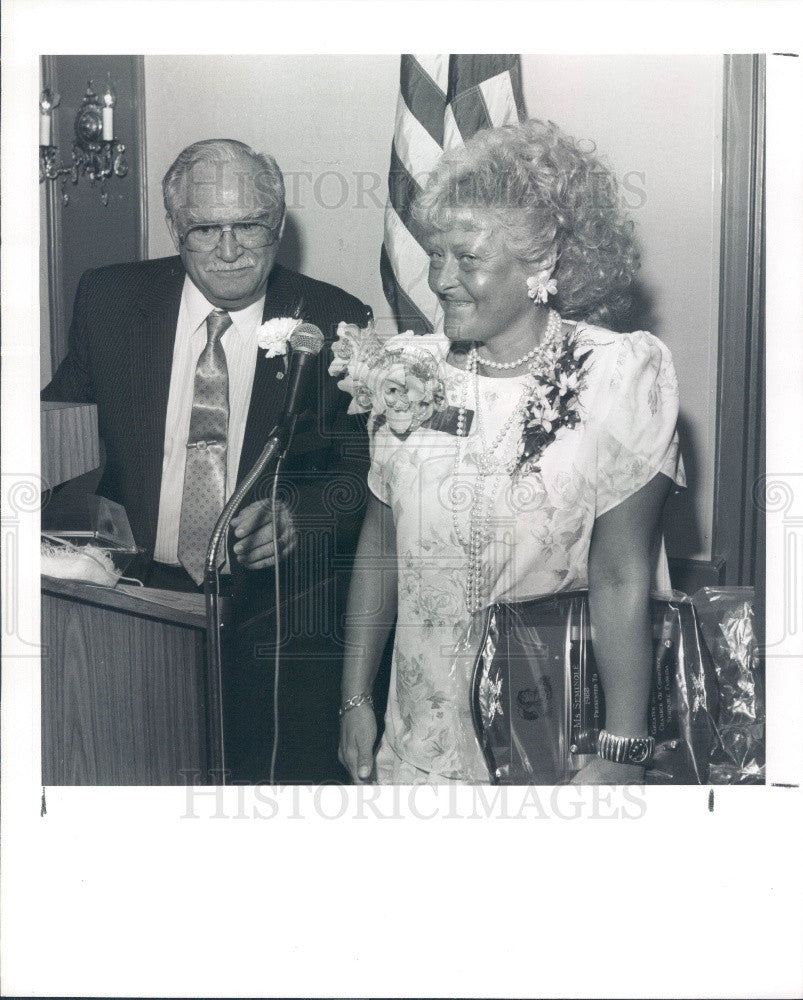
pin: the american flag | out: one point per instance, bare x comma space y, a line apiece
443, 100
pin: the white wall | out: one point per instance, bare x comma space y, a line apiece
329, 122
658, 120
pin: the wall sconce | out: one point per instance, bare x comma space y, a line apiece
95, 151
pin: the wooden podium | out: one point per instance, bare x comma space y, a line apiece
126, 699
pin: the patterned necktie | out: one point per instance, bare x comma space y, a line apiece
205, 470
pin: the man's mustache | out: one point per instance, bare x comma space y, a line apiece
246, 260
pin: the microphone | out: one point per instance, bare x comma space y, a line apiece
306, 342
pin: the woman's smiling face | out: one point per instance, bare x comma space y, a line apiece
481, 287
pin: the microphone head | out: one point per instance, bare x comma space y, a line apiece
307, 339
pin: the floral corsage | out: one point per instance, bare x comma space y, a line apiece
273, 336
400, 379
555, 400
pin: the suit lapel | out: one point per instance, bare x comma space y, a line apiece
152, 337
282, 299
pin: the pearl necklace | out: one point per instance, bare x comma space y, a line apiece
551, 330
482, 502
487, 460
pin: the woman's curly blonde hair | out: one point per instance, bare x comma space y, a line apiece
554, 202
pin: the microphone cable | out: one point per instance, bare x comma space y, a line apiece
278, 621
308, 341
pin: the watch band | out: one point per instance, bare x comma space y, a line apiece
625, 749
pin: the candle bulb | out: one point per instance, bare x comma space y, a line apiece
45, 129
109, 100
46, 104
108, 124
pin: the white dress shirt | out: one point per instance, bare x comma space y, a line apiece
241, 350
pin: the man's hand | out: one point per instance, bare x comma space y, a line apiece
357, 738
253, 528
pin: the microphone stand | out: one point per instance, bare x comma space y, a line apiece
274, 450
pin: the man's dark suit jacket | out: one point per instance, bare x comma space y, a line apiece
120, 356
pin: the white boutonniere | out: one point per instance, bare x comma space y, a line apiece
273, 336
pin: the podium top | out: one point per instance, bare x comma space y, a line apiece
163, 605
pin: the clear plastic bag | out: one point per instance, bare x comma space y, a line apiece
726, 616
537, 698
86, 537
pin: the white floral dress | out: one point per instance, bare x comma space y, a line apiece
537, 525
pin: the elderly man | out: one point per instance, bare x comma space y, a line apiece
171, 352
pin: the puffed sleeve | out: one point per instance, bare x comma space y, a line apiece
637, 436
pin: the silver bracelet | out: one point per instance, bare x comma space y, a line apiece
625, 749
358, 699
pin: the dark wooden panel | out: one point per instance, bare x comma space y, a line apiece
738, 524
123, 699
83, 233
689, 575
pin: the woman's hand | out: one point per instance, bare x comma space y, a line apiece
357, 738
608, 772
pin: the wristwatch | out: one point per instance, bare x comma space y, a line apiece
625, 749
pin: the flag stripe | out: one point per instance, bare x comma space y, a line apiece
410, 263
425, 100
401, 191
470, 112
451, 132
443, 100
415, 147
466, 72
407, 316
500, 99
437, 69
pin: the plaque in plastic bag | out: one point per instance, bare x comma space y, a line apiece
538, 703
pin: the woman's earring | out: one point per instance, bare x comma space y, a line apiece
541, 286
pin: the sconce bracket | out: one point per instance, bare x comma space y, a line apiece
92, 155
89, 123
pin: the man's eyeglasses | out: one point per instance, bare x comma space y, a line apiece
250, 236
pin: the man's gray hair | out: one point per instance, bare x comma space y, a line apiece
179, 185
